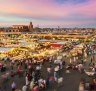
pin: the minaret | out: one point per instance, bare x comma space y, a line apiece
30, 27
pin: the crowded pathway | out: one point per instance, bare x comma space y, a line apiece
49, 74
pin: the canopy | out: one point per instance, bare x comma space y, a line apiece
2, 49
18, 57
58, 44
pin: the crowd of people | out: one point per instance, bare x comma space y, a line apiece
31, 71
34, 79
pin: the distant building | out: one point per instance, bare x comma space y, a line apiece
1, 29
20, 28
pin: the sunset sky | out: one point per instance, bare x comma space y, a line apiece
48, 13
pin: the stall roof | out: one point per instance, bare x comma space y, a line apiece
2, 49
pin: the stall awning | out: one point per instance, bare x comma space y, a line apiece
56, 45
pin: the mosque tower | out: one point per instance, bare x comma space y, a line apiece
30, 27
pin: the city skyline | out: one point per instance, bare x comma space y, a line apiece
48, 13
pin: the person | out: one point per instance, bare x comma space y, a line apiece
51, 79
35, 88
67, 69
61, 66
26, 79
55, 75
81, 86
40, 81
13, 86
94, 82
31, 85
24, 88
19, 70
87, 85
91, 61
80, 67
49, 69
33, 74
